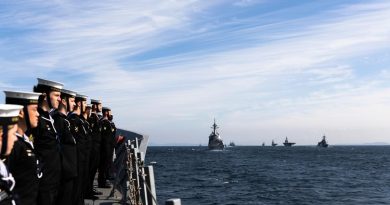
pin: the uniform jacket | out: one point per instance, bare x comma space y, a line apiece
24, 166
107, 133
80, 133
6, 185
94, 122
68, 146
47, 147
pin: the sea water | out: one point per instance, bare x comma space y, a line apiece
272, 175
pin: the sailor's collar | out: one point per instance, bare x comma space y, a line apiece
25, 138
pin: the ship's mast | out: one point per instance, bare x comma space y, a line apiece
214, 127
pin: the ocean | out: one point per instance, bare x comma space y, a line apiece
272, 175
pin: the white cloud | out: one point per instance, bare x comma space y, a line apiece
245, 3
302, 79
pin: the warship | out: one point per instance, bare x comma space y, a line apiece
215, 141
273, 143
323, 142
287, 143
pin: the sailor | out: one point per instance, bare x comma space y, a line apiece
46, 141
95, 151
113, 145
80, 133
99, 108
68, 146
88, 149
8, 126
88, 110
22, 162
106, 150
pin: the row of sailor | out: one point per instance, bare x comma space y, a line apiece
52, 144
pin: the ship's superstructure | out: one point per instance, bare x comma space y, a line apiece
215, 141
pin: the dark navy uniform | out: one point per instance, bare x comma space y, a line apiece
106, 148
8, 117
112, 148
113, 133
23, 161
81, 135
87, 151
6, 185
47, 148
68, 157
24, 166
46, 144
95, 150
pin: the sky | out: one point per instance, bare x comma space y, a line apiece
264, 69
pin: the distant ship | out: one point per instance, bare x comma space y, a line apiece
287, 143
273, 143
263, 144
231, 144
215, 141
323, 142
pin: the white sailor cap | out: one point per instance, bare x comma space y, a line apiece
48, 85
89, 105
106, 109
94, 101
9, 114
21, 98
80, 97
68, 93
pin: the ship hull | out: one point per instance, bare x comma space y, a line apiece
322, 145
216, 147
288, 144
215, 143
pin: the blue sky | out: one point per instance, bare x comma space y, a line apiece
264, 69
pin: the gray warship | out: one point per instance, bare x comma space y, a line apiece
287, 143
215, 141
273, 143
323, 142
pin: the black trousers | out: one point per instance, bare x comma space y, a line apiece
79, 183
65, 196
78, 186
109, 162
86, 173
47, 197
93, 166
104, 164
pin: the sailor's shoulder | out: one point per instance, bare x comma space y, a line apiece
105, 121
58, 117
74, 117
45, 118
106, 125
94, 116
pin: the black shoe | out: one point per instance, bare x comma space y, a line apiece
96, 192
92, 197
104, 186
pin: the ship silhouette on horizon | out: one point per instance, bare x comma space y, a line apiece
287, 143
323, 142
273, 144
215, 141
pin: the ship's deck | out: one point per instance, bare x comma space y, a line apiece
104, 199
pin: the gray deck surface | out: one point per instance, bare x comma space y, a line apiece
104, 199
